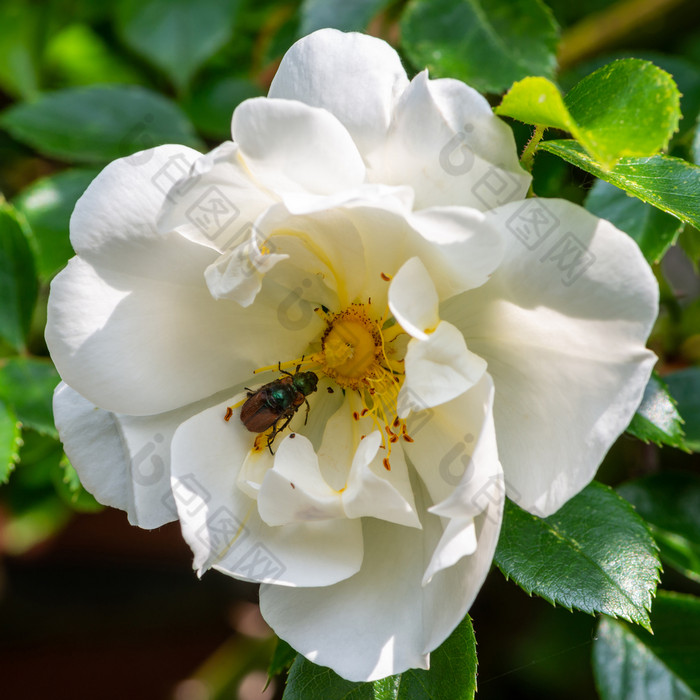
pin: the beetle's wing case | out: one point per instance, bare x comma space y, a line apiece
256, 414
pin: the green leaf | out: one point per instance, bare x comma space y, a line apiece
452, 676
78, 55
594, 554
212, 102
339, 14
39, 456
37, 512
657, 419
178, 36
69, 488
282, 658
689, 241
670, 184
670, 503
684, 386
631, 664
653, 230
18, 282
627, 108
10, 441
536, 100
27, 385
685, 74
488, 45
47, 204
98, 124
306, 680
19, 50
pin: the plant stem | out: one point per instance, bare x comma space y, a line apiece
528, 156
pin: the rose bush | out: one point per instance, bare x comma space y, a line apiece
469, 343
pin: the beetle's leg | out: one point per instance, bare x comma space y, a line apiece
277, 430
308, 408
271, 438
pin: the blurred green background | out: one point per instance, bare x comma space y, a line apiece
93, 608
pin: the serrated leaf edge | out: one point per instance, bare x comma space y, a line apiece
646, 606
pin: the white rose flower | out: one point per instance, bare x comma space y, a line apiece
374, 232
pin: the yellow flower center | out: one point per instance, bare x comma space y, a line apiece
351, 348
357, 353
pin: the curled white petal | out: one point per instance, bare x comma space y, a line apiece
372, 492
238, 273
463, 244
294, 489
438, 369
413, 299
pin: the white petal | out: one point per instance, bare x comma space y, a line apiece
451, 590
124, 461
413, 299
290, 146
354, 465
478, 495
447, 144
458, 247
369, 626
464, 246
294, 490
340, 437
254, 469
118, 211
216, 202
139, 345
400, 198
355, 77
438, 369
454, 451
134, 345
446, 437
93, 444
457, 541
238, 273
352, 248
562, 325
221, 523
383, 620
372, 491
323, 247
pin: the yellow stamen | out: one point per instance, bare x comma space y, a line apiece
355, 353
